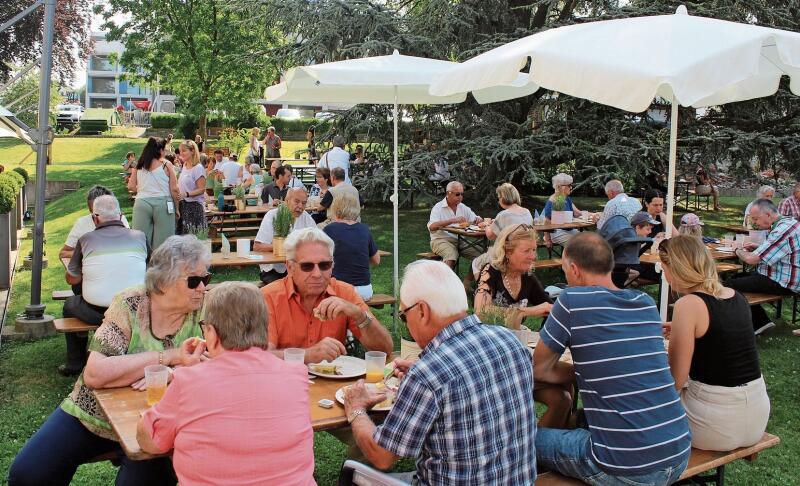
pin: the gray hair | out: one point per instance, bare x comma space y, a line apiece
306, 235
763, 190
452, 185
615, 186
97, 191
106, 208
338, 173
508, 194
436, 284
562, 179
249, 159
255, 169
176, 256
765, 206
346, 206
270, 129
338, 141
238, 313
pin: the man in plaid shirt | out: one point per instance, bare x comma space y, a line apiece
777, 259
465, 410
791, 205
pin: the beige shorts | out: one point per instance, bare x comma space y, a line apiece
448, 250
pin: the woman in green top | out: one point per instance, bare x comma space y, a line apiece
143, 326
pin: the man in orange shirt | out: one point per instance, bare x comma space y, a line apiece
309, 309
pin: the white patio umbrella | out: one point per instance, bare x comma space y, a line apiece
10, 126
692, 61
394, 79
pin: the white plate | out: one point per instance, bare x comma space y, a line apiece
340, 399
725, 248
255, 257
474, 227
351, 368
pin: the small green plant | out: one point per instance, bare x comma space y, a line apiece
200, 232
508, 317
21, 171
283, 221
560, 203
238, 192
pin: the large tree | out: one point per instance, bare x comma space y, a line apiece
198, 49
20, 43
22, 98
528, 139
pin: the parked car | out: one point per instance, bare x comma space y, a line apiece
68, 114
288, 114
324, 115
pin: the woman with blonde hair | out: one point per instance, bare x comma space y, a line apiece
562, 185
507, 281
255, 147
712, 351
512, 213
192, 186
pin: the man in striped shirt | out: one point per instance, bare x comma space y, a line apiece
637, 427
777, 259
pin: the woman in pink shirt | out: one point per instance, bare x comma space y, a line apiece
241, 417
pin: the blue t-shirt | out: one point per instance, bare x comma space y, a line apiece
636, 419
548, 207
353, 248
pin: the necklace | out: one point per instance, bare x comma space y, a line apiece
514, 289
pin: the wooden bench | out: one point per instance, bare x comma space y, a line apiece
757, 299
551, 263
72, 324
428, 255
700, 462
379, 300
62, 294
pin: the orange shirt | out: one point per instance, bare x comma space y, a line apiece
290, 326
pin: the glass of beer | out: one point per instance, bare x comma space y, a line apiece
155, 378
376, 362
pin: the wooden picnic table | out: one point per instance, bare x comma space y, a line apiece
734, 228
577, 224
124, 406
712, 247
267, 258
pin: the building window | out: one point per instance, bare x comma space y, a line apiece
101, 103
102, 63
102, 85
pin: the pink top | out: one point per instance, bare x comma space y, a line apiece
240, 418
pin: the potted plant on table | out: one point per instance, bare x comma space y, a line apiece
281, 225
239, 193
560, 215
509, 317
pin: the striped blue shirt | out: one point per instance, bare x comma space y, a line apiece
465, 409
635, 416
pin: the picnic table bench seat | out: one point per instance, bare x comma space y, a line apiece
757, 299
428, 255
72, 324
379, 300
62, 294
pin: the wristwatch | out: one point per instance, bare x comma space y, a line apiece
366, 321
356, 413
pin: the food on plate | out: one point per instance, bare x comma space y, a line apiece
326, 369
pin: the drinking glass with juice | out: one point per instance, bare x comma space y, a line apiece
155, 377
376, 362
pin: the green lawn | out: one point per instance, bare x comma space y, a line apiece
30, 388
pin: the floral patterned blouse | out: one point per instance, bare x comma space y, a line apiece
125, 330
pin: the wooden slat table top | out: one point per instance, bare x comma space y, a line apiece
124, 406
62, 294
702, 461
757, 299
469, 233
72, 324
734, 228
564, 226
217, 260
716, 255
551, 263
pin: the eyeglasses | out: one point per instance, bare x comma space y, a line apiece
203, 325
193, 281
402, 313
457, 194
308, 267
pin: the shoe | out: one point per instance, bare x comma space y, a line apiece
64, 370
765, 327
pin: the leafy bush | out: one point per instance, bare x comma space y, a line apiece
165, 120
93, 127
18, 181
560, 203
188, 126
234, 139
8, 193
283, 126
24, 173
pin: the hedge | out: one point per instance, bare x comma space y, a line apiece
8, 192
165, 120
24, 173
93, 126
17, 180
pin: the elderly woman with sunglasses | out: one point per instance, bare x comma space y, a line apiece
562, 184
508, 282
154, 324
326, 307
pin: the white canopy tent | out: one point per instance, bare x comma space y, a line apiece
692, 61
10, 126
394, 79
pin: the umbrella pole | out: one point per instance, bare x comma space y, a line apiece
673, 150
396, 203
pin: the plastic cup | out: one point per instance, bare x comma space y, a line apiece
585, 215
242, 247
155, 378
294, 355
376, 362
728, 238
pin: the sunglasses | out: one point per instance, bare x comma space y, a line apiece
457, 194
308, 267
193, 281
402, 313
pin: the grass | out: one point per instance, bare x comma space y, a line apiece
31, 389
